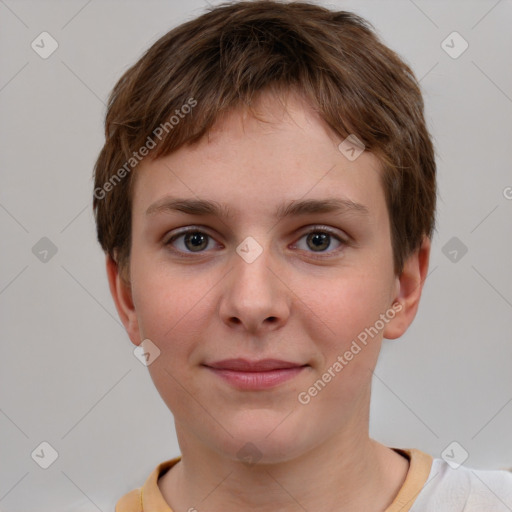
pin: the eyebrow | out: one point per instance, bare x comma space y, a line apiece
294, 208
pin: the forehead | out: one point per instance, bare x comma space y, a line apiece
254, 160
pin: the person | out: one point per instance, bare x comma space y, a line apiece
265, 198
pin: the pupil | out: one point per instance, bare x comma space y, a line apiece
319, 240
197, 239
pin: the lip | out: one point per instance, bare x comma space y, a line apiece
254, 375
245, 365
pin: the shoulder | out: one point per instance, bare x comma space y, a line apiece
148, 497
130, 502
472, 490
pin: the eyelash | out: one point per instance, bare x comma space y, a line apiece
314, 229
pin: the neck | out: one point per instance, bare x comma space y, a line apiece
347, 472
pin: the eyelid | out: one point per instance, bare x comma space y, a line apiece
326, 229
188, 229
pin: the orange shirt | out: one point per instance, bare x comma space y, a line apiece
148, 498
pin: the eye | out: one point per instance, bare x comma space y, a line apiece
192, 240
318, 240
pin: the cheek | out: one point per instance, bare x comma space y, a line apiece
341, 322
171, 307
345, 305
173, 312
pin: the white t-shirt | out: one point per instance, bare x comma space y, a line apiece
464, 490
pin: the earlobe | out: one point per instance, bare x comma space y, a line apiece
410, 286
122, 295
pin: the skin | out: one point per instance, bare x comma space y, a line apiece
286, 304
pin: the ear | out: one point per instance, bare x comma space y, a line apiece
409, 286
122, 295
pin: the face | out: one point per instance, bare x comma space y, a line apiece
258, 279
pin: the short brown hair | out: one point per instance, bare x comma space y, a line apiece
231, 54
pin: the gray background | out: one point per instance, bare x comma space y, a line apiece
68, 373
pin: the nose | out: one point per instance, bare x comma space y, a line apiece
254, 297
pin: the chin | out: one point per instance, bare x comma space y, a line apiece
262, 442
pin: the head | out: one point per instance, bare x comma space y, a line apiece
241, 113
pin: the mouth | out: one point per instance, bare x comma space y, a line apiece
254, 375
